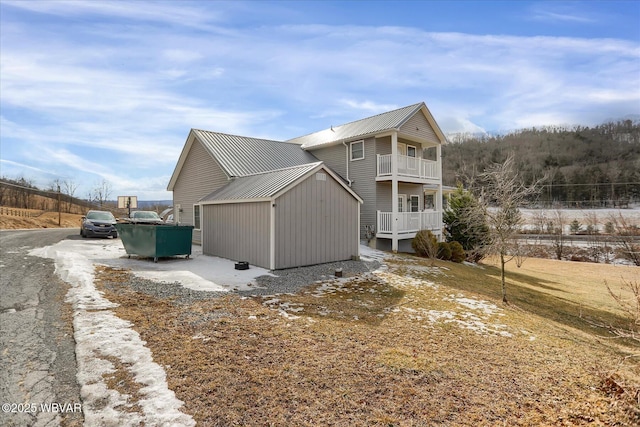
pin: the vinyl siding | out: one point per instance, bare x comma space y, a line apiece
363, 181
418, 127
334, 157
199, 176
237, 231
316, 222
383, 146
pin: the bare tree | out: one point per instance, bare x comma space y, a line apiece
503, 192
102, 191
627, 238
556, 229
631, 307
69, 188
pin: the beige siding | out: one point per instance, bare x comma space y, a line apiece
383, 146
418, 127
362, 174
363, 181
237, 231
316, 222
334, 157
199, 176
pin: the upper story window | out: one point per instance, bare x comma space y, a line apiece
357, 150
411, 151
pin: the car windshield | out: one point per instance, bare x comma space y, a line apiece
146, 215
104, 216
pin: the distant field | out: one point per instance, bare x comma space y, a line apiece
602, 216
578, 282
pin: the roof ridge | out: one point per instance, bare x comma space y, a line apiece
356, 121
237, 136
380, 114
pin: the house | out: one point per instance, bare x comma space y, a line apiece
298, 202
265, 202
393, 161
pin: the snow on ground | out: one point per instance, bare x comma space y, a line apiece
100, 335
198, 272
601, 216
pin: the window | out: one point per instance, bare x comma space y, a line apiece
196, 217
411, 151
357, 150
415, 200
429, 202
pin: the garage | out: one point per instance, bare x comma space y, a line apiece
292, 217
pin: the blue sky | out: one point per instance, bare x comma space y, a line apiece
97, 90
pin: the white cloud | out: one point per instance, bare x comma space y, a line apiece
131, 93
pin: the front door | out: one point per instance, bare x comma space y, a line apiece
402, 208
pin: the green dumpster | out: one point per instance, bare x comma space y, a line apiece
155, 240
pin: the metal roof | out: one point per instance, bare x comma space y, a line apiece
241, 156
371, 125
260, 186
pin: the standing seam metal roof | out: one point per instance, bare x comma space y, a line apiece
259, 186
241, 156
381, 122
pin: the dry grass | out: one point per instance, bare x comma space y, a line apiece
388, 349
583, 281
46, 220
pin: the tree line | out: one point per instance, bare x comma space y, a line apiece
585, 166
22, 193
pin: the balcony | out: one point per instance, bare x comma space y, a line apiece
416, 169
409, 223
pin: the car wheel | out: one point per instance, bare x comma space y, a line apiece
115, 235
82, 233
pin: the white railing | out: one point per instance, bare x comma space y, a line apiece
410, 222
408, 166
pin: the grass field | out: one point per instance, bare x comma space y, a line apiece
413, 345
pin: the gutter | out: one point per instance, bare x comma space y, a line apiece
347, 161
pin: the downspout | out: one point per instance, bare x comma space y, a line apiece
347, 161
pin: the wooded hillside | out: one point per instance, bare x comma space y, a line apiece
587, 167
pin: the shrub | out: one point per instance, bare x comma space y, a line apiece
425, 244
457, 252
465, 221
444, 251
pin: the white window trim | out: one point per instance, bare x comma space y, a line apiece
199, 217
415, 151
411, 197
351, 150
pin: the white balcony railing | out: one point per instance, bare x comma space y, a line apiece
408, 166
410, 222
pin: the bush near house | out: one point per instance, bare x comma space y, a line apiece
457, 252
444, 251
425, 244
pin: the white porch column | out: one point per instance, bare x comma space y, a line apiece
394, 192
439, 194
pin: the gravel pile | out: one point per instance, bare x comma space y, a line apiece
286, 281
176, 291
293, 279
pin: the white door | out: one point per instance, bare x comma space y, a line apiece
402, 207
402, 158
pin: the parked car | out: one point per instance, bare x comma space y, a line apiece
98, 224
145, 217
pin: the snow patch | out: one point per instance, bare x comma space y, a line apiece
99, 334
